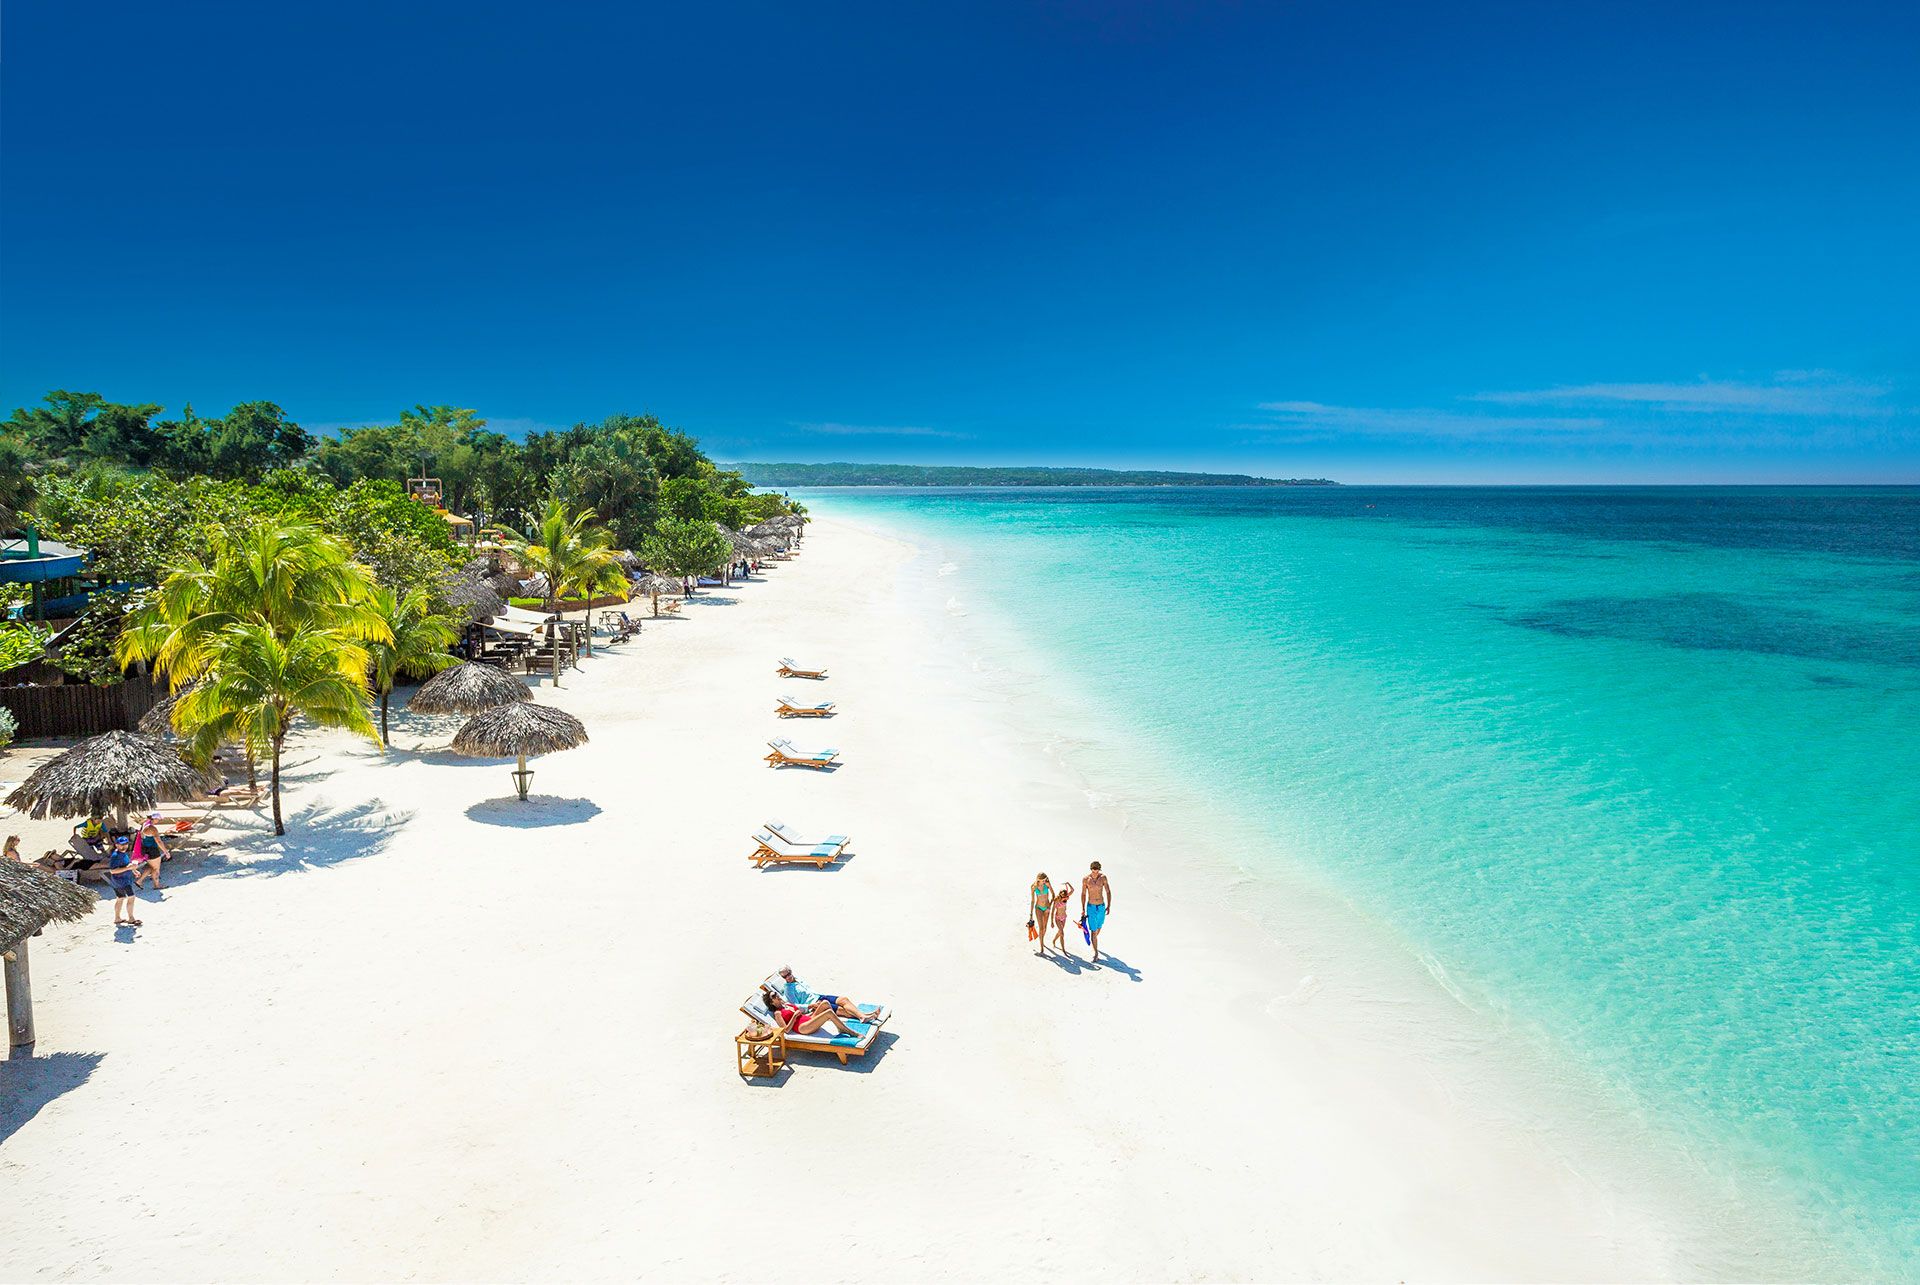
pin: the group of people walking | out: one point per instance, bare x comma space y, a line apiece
1047, 905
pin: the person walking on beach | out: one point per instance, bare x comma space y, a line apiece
1096, 902
1060, 900
120, 874
1039, 906
152, 851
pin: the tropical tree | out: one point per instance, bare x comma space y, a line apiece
687, 547
416, 646
278, 582
601, 574
283, 577
258, 683
569, 551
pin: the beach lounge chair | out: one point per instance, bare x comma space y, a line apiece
769, 850
825, 1041
784, 755
791, 668
670, 606
780, 831
798, 709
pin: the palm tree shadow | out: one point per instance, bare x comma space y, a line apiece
29, 1083
537, 811
317, 837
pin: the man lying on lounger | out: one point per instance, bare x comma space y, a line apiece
798, 995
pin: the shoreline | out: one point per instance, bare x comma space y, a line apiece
480, 1040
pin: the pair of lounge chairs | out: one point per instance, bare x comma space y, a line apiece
791, 668
784, 755
824, 1040
802, 709
775, 846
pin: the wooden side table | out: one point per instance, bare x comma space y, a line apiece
762, 1052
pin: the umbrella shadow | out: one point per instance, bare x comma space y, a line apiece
317, 837
537, 811
708, 599
29, 1083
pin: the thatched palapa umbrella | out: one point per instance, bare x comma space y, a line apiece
653, 584
474, 596
110, 774
468, 688
30, 899
519, 732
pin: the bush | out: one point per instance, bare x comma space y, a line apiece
9, 727
19, 645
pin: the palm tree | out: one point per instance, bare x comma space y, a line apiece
281, 581
259, 683
417, 643
600, 573
570, 552
284, 577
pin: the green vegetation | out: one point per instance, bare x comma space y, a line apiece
170, 479
956, 475
20, 645
686, 547
276, 628
574, 556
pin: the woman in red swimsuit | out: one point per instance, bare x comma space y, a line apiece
802, 1021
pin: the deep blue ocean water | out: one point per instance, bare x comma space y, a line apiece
1639, 768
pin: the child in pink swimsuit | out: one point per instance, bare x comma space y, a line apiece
1060, 917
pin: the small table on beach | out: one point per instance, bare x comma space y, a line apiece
761, 1052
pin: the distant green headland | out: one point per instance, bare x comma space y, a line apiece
959, 475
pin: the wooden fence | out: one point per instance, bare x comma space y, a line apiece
78, 709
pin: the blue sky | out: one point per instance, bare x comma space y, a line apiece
1411, 242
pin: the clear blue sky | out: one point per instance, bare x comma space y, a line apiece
1533, 241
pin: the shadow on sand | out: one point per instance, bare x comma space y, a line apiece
1074, 965
29, 1083
807, 1062
536, 811
316, 837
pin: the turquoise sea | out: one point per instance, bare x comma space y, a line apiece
1635, 770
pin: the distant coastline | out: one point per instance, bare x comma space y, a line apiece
842, 474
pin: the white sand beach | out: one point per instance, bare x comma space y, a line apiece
434, 1034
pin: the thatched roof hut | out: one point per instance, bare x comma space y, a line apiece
113, 773
158, 721
655, 584
468, 688
519, 732
31, 898
742, 545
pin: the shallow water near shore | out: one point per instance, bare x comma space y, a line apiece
1629, 771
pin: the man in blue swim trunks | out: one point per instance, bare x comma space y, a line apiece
120, 875
800, 997
1096, 900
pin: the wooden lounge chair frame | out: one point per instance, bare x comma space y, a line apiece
787, 709
784, 755
766, 852
789, 668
